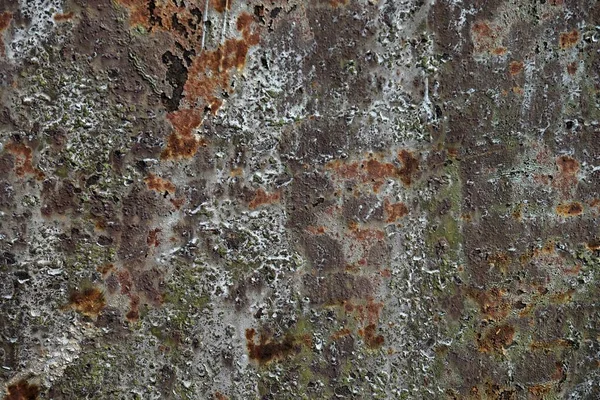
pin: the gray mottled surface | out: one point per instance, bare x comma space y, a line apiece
299, 199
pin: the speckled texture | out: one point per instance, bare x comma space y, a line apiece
359, 199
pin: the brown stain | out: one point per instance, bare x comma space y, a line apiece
59, 17
268, 350
159, 184
593, 245
515, 67
568, 39
499, 260
499, 51
262, 198
221, 5
105, 269
5, 19
492, 303
220, 396
341, 333
567, 165
567, 174
211, 72
22, 390
89, 301
540, 391
24, 157
372, 340
572, 68
182, 142
139, 12
571, 209
486, 38
551, 345
410, 166
338, 3
394, 211
152, 239
496, 339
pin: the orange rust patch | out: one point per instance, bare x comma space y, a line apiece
569, 209
24, 156
341, 333
139, 13
486, 38
496, 339
367, 234
554, 344
261, 198
567, 165
572, 68
210, 72
220, 396
593, 245
517, 90
410, 165
268, 350
499, 51
562, 297
5, 19
338, 3
540, 391
394, 211
22, 390
515, 67
58, 17
568, 39
105, 269
221, 5
371, 339
500, 261
89, 301
152, 239
182, 143
316, 230
492, 303
159, 184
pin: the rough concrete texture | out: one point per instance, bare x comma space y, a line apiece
355, 199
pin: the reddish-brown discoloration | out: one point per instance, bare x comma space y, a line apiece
268, 350
261, 198
492, 303
567, 174
410, 166
372, 340
89, 301
486, 38
22, 390
58, 17
341, 333
5, 19
572, 68
496, 339
221, 5
210, 73
569, 209
338, 3
515, 67
568, 39
105, 269
220, 396
159, 184
394, 211
152, 239
24, 156
182, 142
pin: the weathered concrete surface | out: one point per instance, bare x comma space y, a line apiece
299, 199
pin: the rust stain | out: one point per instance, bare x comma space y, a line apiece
410, 166
499, 51
5, 19
567, 165
261, 198
268, 350
571, 209
152, 239
24, 156
568, 39
492, 303
486, 38
540, 391
90, 301
220, 396
572, 68
372, 340
182, 142
567, 174
341, 333
394, 211
221, 5
59, 17
139, 12
554, 344
22, 390
210, 73
105, 269
159, 184
338, 3
515, 67
496, 339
